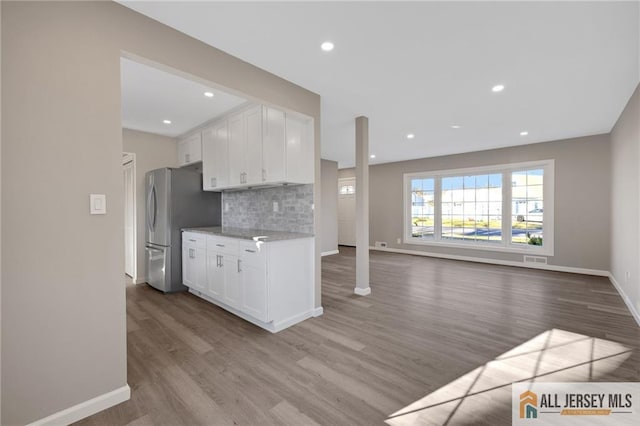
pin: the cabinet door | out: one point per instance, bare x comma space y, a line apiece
253, 280
215, 275
273, 145
200, 269
299, 150
188, 277
183, 152
194, 272
253, 134
215, 151
231, 269
237, 150
195, 147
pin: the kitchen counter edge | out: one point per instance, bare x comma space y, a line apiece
249, 234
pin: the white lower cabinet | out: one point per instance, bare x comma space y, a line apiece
270, 284
231, 282
253, 281
194, 262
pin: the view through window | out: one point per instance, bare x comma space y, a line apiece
500, 206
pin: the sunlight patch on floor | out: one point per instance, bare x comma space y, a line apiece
553, 356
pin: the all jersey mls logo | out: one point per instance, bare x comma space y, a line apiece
576, 403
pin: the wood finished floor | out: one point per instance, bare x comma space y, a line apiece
437, 342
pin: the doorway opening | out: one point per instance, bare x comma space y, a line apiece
347, 211
129, 180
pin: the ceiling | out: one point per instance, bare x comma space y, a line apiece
420, 67
150, 96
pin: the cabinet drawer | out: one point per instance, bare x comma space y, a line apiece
222, 245
195, 239
253, 253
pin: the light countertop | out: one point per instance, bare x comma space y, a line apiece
249, 234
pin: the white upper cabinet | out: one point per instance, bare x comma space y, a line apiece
190, 150
262, 145
215, 152
273, 145
245, 147
299, 149
237, 149
253, 132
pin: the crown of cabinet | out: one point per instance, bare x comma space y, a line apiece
257, 146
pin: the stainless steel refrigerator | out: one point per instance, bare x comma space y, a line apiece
175, 200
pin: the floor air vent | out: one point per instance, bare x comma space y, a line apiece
535, 259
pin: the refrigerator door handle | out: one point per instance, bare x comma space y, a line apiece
152, 196
149, 210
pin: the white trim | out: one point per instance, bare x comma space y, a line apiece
86, 408
330, 252
625, 298
139, 280
130, 157
318, 311
362, 291
547, 267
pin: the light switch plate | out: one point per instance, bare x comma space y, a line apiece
97, 204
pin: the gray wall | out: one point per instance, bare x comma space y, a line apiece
63, 298
582, 179
329, 191
625, 194
254, 209
152, 152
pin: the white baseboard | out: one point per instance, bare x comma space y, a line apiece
362, 291
140, 280
318, 311
86, 408
546, 267
330, 252
625, 298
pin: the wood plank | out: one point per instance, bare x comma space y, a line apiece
427, 331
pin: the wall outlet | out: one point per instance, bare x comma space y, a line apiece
399, 241
381, 244
275, 206
627, 276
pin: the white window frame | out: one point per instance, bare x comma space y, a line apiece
505, 245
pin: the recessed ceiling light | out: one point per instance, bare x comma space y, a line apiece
455, 126
497, 88
208, 94
525, 133
166, 121
372, 156
327, 46
411, 136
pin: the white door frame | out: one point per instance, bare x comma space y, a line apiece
130, 158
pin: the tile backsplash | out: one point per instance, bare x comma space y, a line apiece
254, 209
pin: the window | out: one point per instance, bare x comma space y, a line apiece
347, 189
492, 208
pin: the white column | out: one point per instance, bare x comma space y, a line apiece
362, 207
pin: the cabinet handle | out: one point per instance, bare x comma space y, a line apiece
187, 157
249, 251
219, 245
192, 240
264, 175
239, 269
192, 253
214, 182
